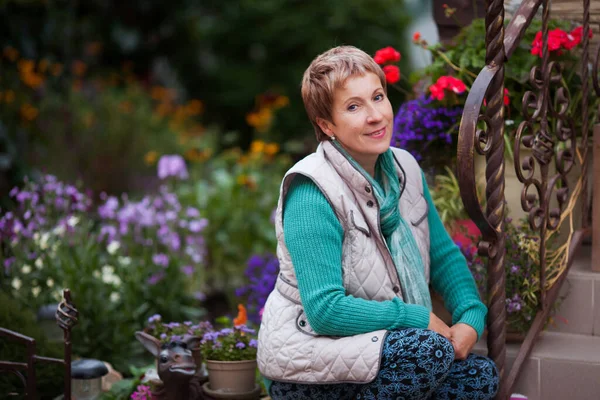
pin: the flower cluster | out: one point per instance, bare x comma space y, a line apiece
522, 274
175, 331
230, 344
448, 83
386, 57
142, 392
47, 215
425, 129
558, 40
162, 231
261, 273
172, 166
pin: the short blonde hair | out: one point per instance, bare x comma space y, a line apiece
328, 72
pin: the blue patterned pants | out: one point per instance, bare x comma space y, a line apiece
416, 364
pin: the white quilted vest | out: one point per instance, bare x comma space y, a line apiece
288, 348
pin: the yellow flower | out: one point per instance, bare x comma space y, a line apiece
260, 120
271, 149
151, 157
281, 101
29, 112
197, 155
195, 107
257, 146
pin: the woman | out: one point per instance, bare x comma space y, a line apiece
358, 242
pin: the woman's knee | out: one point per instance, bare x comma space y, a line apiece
424, 344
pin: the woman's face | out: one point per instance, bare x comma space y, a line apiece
362, 119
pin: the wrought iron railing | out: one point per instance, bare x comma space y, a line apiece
548, 193
66, 318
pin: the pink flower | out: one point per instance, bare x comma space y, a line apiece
387, 55
142, 393
172, 165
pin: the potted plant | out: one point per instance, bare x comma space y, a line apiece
230, 357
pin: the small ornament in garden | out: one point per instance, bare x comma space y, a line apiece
176, 368
230, 356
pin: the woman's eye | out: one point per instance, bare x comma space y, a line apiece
352, 107
379, 97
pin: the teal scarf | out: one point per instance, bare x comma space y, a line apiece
398, 236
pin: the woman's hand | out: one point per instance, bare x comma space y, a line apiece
463, 338
439, 326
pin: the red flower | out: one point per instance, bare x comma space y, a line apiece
416, 37
446, 82
386, 55
558, 40
392, 73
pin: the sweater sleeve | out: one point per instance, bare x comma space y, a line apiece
314, 236
450, 275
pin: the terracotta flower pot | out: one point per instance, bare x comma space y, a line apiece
232, 376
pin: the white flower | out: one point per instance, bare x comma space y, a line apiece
39, 263
124, 260
113, 247
26, 270
16, 283
50, 282
96, 274
59, 230
509, 122
44, 240
72, 221
36, 238
36, 291
57, 295
114, 297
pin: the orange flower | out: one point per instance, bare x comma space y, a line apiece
242, 316
416, 37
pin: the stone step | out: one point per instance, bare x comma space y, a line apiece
579, 311
561, 366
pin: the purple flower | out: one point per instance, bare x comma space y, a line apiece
108, 232
160, 259
253, 343
188, 270
108, 209
172, 165
514, 269
155, 278
154, 318
240, 345
226, 331
199, 296
198, 225
8, 263
163, 336
192, 212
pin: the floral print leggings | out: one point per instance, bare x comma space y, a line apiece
416, 364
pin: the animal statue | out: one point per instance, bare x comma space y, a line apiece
176, 368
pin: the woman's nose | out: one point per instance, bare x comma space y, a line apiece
374, 115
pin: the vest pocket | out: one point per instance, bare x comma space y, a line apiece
419, 211
358, 222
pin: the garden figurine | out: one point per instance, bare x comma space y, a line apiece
175, 366
359, 242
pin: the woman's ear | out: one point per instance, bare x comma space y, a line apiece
325, 126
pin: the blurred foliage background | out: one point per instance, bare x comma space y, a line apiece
71, 68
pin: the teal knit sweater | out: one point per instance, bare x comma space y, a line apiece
314, 238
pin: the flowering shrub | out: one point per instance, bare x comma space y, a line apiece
386, 57
142, 392
121, 262
427, 130
558, 40
261, 273
230, 344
